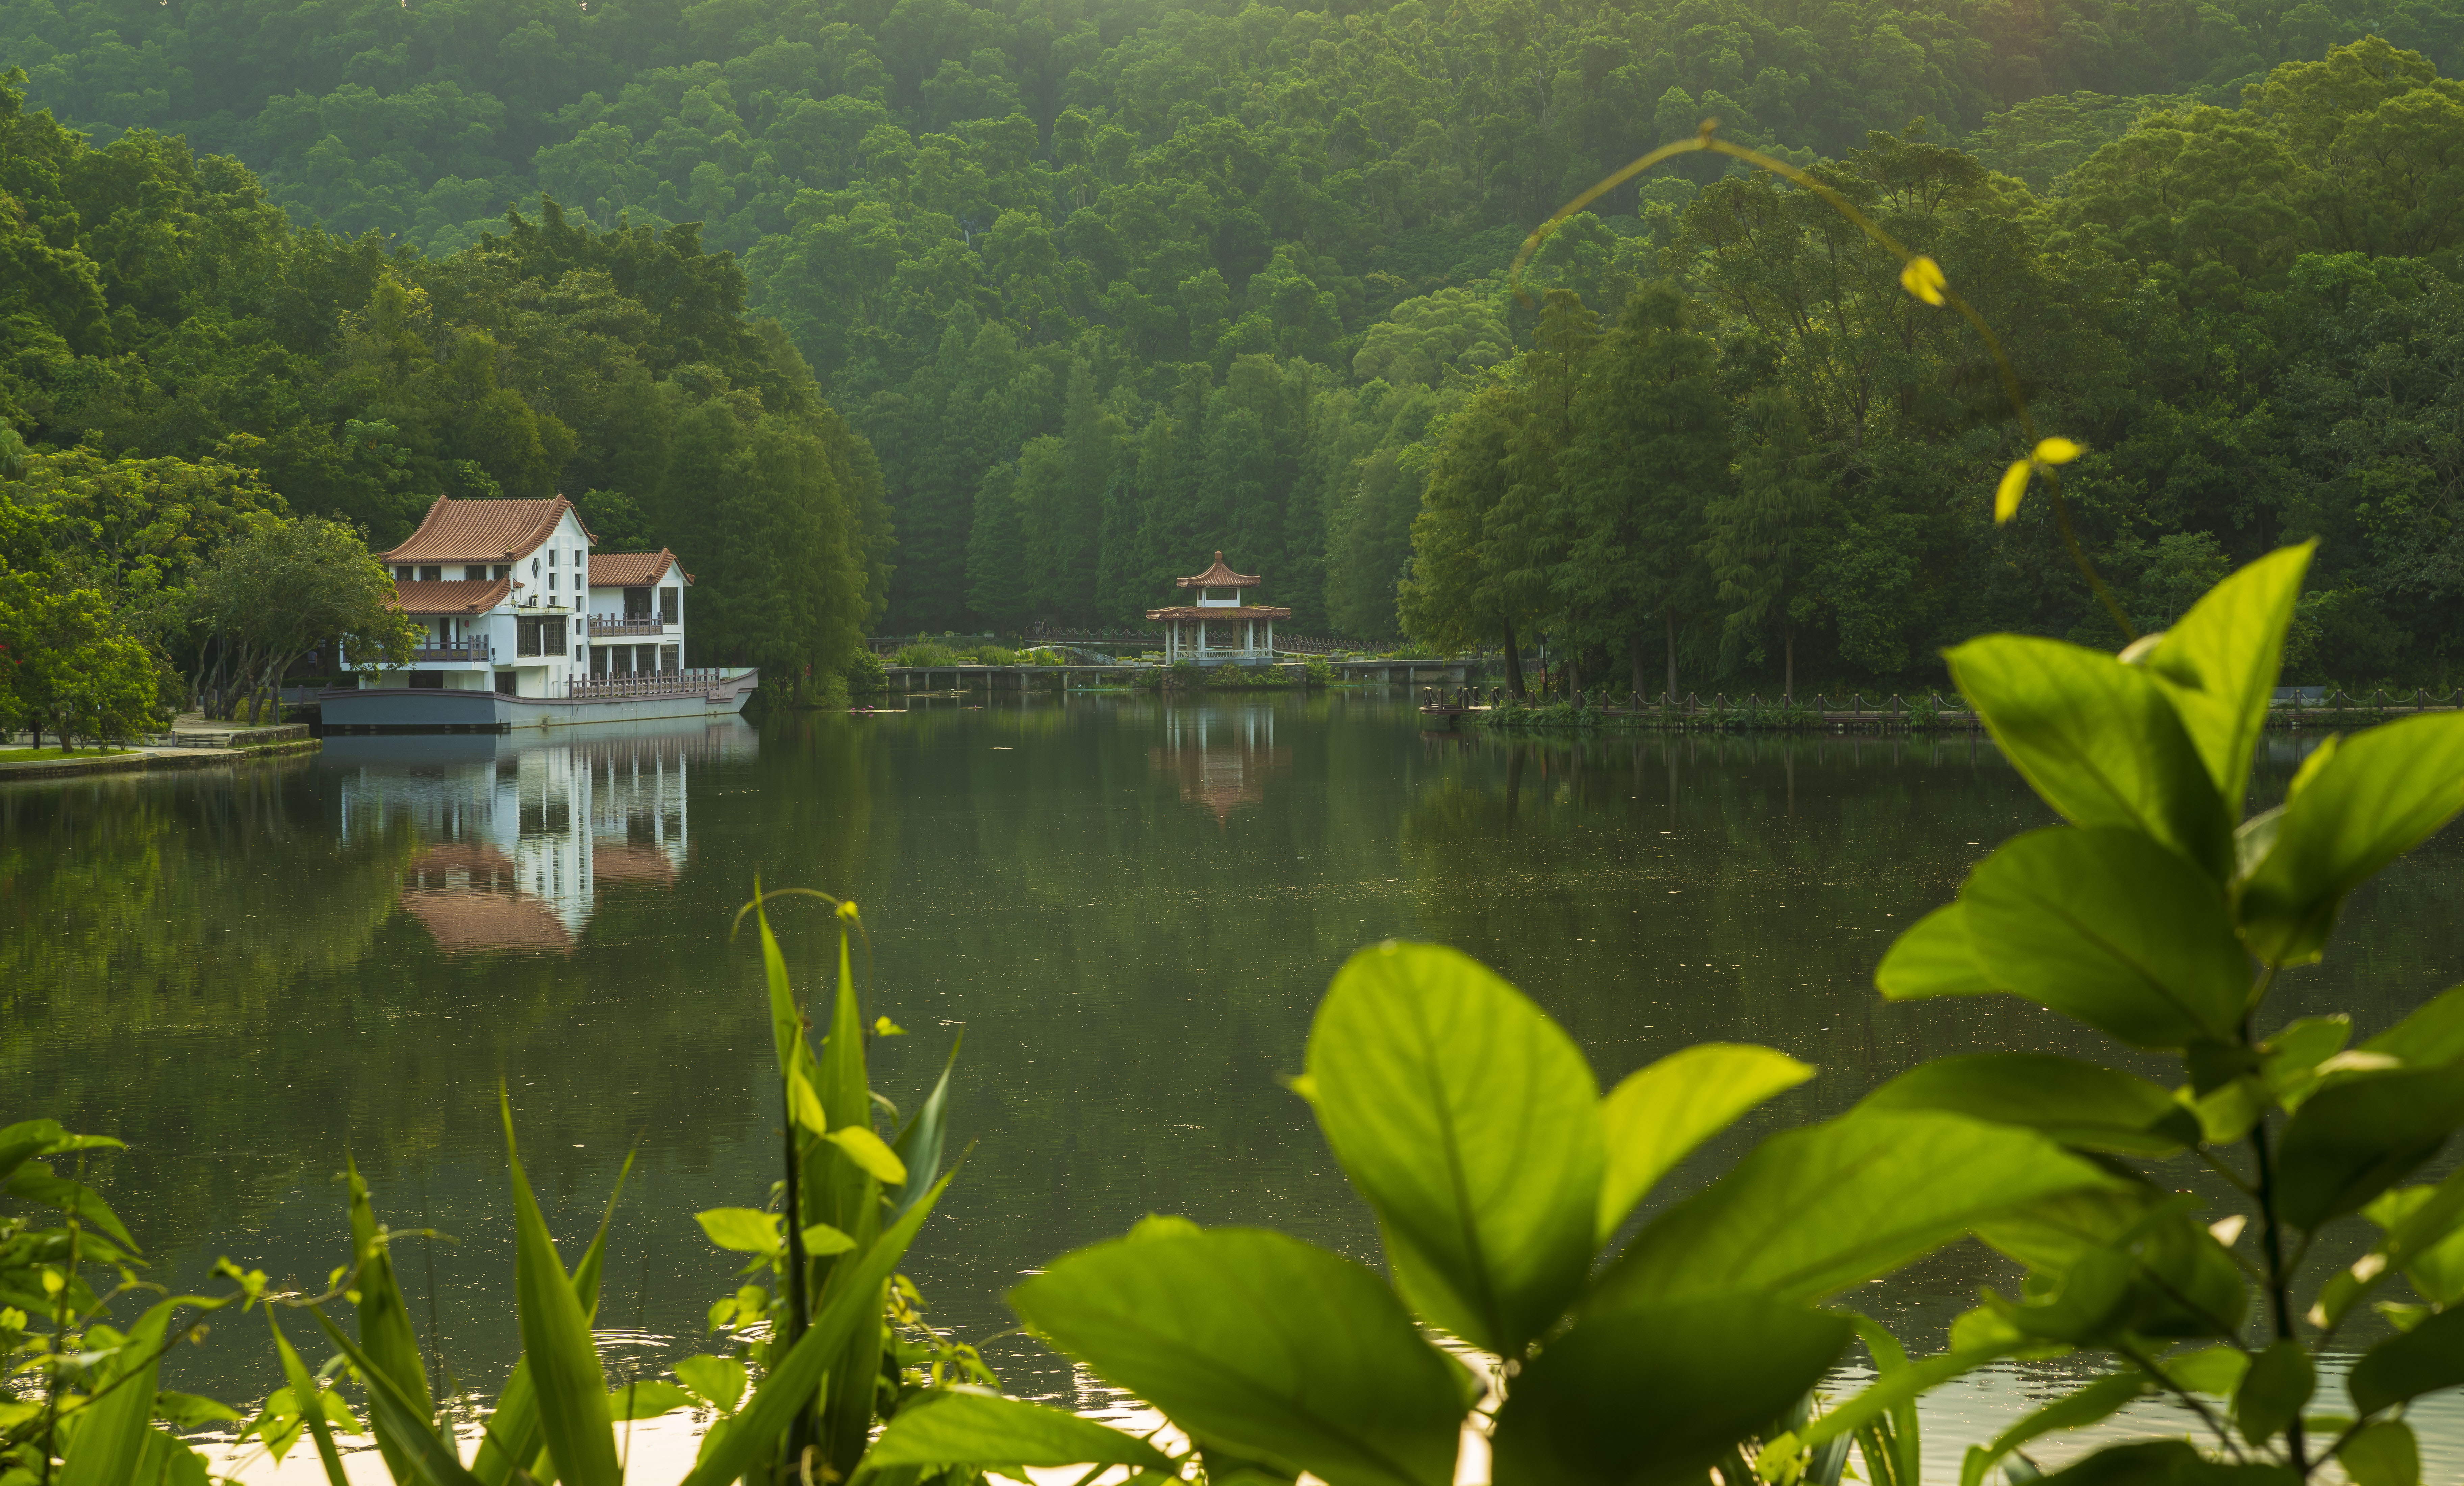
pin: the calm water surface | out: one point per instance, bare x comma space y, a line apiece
1131, 906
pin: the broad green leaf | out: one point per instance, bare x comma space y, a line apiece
2164, 1462
1469, 1121
1637, 1394
2274, 1391
920, 1143
788, 1388
822, 1240
2360, 1135
845, 1094
303, 1386
2104, 925
646, 1398
956, 1426
193, 1410
1813, 1210
1655, 1117
786, 1019
386, 1329
2289, 1061
2432, 1037
2383, 793
2098, 740
2424, 1360
556, 1341
2214, 1369
427, 1459
1265, 1345
2062, 1099
110, 1436
719, 1381
1935, 957
2384, 1453
2219, 662
871, 1153
2052, 1233
744, 1229
2094, 1403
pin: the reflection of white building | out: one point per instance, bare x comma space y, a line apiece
517, 840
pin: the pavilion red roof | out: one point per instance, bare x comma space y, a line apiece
1219, 576
481, 531
1218, 611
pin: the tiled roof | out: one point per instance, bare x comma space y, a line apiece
632, 569
1214, 611
453, 596
1219, 576
481, 531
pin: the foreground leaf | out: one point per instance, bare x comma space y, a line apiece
556, 1341
1469, 1121
2061, 1099
1657, 1115
2428, 1358
2358, 1136
2106, 925
1935, 957
1816, 1209
2219, 662
1634, 1395
956, 1426
1265, 1345
2383, 793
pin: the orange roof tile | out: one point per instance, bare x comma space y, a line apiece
481, 531
1219, 576
1211, 611
453, 596
632, 569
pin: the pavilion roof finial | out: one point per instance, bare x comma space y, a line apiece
1219, 576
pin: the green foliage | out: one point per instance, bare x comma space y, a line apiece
2154, 919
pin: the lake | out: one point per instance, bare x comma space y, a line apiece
1131, 904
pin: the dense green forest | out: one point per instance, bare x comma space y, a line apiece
1107, 287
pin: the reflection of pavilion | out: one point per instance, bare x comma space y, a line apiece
520, 838
1220, 757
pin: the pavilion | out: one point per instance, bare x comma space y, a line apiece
1219, 631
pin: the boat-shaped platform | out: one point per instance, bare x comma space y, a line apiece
667, 694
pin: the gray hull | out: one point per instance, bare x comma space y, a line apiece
405, 708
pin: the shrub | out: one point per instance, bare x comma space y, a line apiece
928, 653
865, 675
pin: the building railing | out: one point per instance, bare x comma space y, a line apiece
646, 684
477, 649
628, 624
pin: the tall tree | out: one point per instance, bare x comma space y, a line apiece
1761, 535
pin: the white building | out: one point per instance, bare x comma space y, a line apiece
637, 613
506, 591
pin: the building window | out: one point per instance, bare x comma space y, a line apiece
476, 573
576, 654
599, 660
402, 574
505, 570
435, 574
428, 681
637, 603
505, 682
552, 631
551, 582
667, 656
666, 605
526, 636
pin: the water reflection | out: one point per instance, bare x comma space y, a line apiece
1220, 756
518, 837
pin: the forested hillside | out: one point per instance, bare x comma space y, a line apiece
1110, 286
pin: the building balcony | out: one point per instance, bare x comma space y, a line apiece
475, 652
612, 626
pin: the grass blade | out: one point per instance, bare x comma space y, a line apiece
312, 1403
110, 1436
856, 1297
920, 1144
387, 1334
428, 1459
571, 1386
512, 1438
